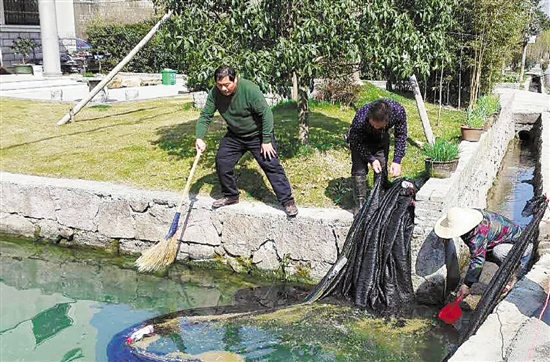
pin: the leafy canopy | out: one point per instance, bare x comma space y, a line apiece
266, 41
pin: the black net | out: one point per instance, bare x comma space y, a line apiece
374, 268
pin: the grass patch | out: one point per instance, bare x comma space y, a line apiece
150, 144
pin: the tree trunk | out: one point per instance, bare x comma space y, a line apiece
425, 87
303, 116
460, 86
422, 110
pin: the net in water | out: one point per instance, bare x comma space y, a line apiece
374, 268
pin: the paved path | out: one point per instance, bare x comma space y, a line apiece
74, 89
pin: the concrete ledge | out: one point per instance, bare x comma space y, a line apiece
513, 331
96, 213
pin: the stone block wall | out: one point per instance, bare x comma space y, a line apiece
98, 213
9, 57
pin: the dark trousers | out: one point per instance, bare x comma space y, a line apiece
379, 149
232, 148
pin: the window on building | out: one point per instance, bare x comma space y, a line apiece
21, 12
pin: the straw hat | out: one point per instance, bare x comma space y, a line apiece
458, 221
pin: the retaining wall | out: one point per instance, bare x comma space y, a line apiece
108, 215
522, 319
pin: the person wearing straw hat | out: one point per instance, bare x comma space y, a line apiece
249, 120
488, 235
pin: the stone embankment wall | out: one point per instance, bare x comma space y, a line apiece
521, 319
467, 187
129, 220
107, 215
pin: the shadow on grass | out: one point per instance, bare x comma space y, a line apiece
254, 185
130, 122
114, 114
325, 133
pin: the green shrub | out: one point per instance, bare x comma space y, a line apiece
24, 46
489, 103
510, 78
441, 150
120, 39
475, 117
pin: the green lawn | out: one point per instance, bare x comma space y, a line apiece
150, 144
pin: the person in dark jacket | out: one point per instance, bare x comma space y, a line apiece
488, 235
369, 140
249, 120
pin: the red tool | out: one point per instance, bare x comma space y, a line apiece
451, 312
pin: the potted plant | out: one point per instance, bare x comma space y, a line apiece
478, 116
24, 47
473, 128
491, 104
441, 158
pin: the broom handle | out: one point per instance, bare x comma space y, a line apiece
188, 183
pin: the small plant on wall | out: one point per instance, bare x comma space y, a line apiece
478, 116
475, 117
24, 47
441, 158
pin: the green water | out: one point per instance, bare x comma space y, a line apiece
62, 305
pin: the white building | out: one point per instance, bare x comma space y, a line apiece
21, 19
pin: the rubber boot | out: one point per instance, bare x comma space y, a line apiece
359, 191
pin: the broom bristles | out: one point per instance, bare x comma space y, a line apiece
159, 256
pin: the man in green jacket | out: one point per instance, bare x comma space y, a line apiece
249, 128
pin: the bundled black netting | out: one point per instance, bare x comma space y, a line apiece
374, 267
492, 294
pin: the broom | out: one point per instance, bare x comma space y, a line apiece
163, 253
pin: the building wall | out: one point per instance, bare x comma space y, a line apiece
117, 11
65, 29
73, 16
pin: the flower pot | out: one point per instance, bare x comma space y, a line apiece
440, 169
470, 134
23, 68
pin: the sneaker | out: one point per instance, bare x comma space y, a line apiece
224, 201
290, 208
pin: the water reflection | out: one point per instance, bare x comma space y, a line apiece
51, 321
515, 182
64, 305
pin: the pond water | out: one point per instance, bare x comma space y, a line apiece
60, 304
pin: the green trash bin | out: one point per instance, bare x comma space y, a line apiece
168, 76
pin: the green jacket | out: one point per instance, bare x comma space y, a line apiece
245, 111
